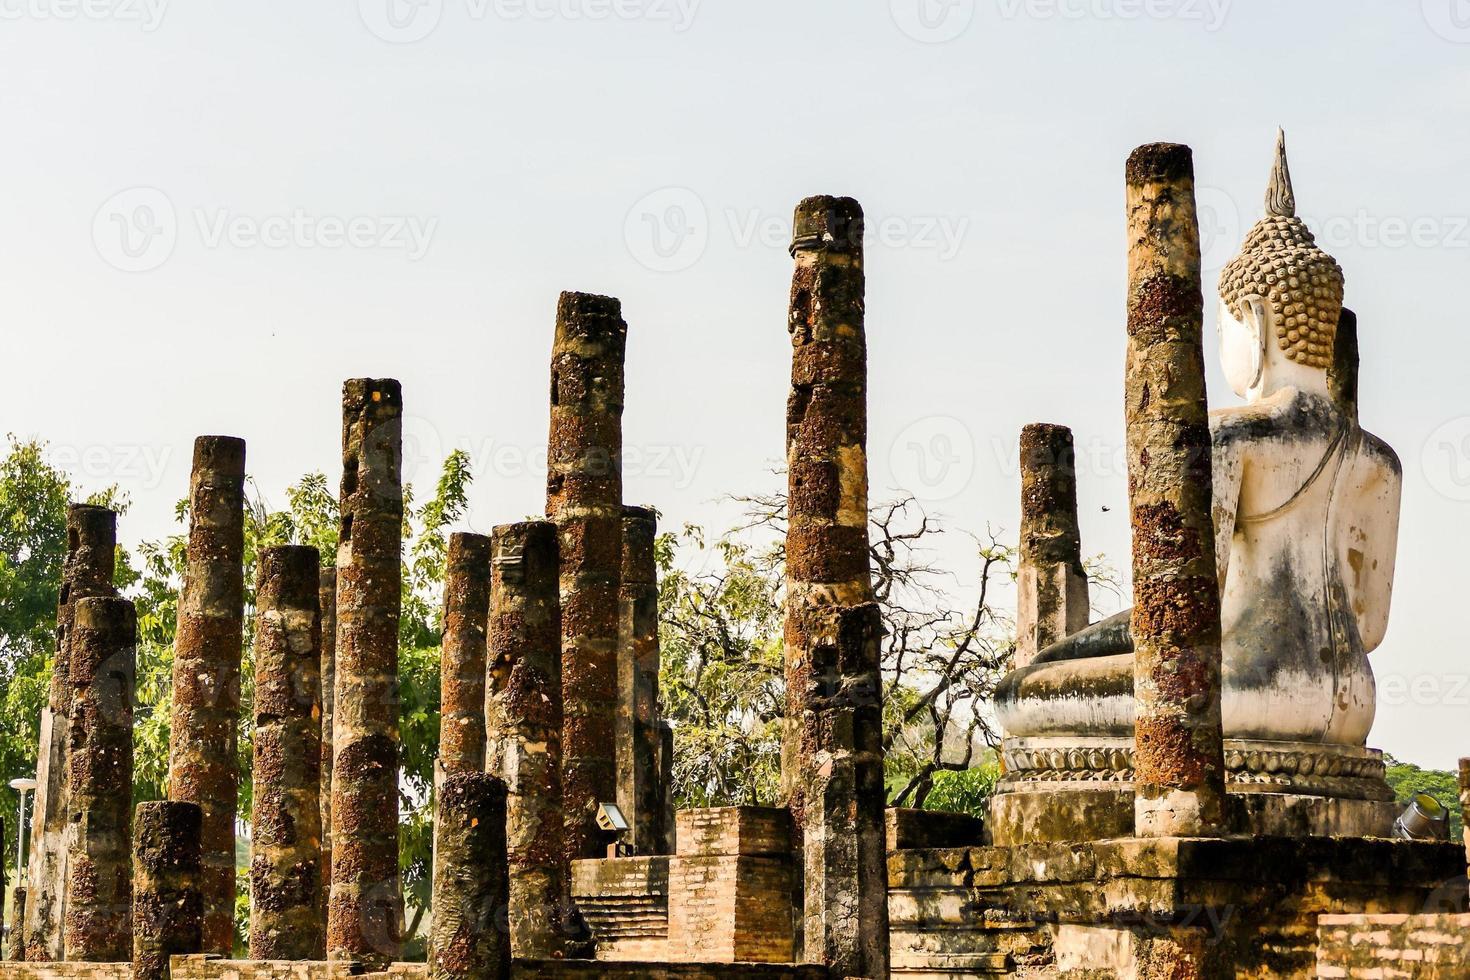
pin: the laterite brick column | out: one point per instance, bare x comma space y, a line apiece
286, 857
1051, 585
845, 864
1179, 782
826, 438
468, 939
168, 910
203, 767
639, 794
99, 887
523, 720
584, 496
327, 597
1465, 798
86, 571
16, 949
462, 664
365, 911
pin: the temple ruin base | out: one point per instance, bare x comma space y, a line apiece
215, 968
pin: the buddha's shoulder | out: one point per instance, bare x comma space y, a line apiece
1287, 414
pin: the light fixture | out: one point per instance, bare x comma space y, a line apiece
1425, 819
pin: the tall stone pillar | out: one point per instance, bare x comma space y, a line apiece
1051, 585
846, 869
639, 795
365, 911
523, 722
99, 885
666, 785
285, 864
826, 438
1179, 758
168, 910
1465, 799
203, 766
468, 939
462, 666
86, 571
327, 600
584, 496
16, 950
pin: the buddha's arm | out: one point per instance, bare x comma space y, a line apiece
1102, 639
1372, 578
1228, 467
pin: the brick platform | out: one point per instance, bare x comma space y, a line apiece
208, 968
1386, 947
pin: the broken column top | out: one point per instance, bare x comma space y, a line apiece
1158, 162
640, 529
288, 570
366, 391
91, 544
1049, 492
590, 316
827, 223
220, 454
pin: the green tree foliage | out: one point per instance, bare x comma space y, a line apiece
1408, 779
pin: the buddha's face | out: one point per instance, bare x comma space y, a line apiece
1242, 345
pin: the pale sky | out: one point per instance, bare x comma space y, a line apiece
215, 213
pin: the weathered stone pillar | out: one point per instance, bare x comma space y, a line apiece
826, 437
99, 886
1465, 798
638, 732
523, 722
846, 893
327, 599
202, 764
1051, 585
365, 911
86, 571
17, 947
1179, 767
285, 864
666, 785
168, 910
462, 666
468, 939
584, 496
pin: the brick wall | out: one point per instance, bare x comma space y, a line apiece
625, 902
202, 968
1381, 947
65, 971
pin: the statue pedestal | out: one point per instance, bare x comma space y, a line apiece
1081, 789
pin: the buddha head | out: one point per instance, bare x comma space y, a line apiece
1280, 300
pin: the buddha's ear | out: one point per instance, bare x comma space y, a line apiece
1257, 323
1243, 344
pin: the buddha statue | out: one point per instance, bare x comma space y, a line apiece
1306, 509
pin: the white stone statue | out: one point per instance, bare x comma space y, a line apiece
1306, 508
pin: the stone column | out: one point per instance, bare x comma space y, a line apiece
1052, 599
462, 665
666, 785
16, 952
86, 571
285, 863
327, 599
638, 661
584, 496
203, 766
99, 886
168, 910
523, 722
826, 437
365, 911
1465, 799
846, 860
1179, 760
468, 939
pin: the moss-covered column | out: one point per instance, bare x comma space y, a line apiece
86, 571
365, 911
468, 939
462, 664
16, 949
99, 885
1179, 768
1052, 600
845, 863
639, 795
285, 863
327, 600
168, 910
523, 722
584, 496
203, 740
826, 454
